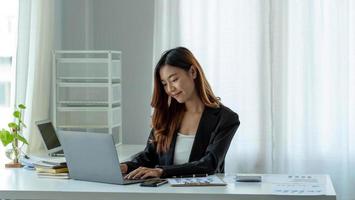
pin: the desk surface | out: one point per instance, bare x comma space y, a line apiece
24, 184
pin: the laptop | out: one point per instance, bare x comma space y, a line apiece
93, 157
49, 138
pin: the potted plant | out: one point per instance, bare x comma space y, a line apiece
13, 136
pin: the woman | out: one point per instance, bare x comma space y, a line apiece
191, 131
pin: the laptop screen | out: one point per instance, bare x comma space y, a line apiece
49, 136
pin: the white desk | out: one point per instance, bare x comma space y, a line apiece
24, 184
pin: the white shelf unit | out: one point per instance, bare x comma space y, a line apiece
87, 92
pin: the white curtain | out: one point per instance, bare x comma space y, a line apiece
33, 68
287, 68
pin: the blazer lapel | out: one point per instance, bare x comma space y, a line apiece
206, 126
169, 156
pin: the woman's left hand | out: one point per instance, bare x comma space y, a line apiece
144, 172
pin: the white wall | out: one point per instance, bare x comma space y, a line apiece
125, 25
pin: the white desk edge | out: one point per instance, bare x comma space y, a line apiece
24, 184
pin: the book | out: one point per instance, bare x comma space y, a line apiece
50, 166
55, 176
212, 180
52, 162
51, 170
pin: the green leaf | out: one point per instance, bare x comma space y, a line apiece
6, 137
22, 106
13, 125
17, 114
22, 139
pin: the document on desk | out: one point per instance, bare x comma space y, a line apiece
296, 184
32, 160
212, 180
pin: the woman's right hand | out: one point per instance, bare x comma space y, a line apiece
124, 168
144, 172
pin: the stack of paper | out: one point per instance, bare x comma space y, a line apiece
296, 184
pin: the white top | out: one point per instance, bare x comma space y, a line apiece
183, 148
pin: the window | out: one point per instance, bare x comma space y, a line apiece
4, 94
8, 41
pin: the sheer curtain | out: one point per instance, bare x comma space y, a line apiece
287, 68
33, 68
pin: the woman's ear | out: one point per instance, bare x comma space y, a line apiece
193, 72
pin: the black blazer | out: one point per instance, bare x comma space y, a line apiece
214, 134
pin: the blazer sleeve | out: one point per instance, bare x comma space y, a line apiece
147, 158
215, 152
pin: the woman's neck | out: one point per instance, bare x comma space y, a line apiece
194, 105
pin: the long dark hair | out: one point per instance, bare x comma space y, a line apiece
168, 113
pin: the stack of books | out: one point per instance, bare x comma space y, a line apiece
47, 169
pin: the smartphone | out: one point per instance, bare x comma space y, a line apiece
154, 183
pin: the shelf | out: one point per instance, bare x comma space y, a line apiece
85, 60
66, 84
88, 91
87, 126
86, 108
86, 51
88, 103
115, 80
82, 60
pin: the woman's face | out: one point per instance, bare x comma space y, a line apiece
178, 83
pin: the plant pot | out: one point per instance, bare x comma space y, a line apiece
13, 154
